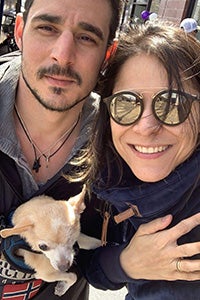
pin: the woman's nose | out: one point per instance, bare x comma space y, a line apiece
64, 49
147, 124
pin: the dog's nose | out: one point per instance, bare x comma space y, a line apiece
64, 267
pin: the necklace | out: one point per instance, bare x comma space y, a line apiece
36, 164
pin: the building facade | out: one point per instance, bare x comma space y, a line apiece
176, 10
172, 10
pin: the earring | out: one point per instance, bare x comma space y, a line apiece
109, 55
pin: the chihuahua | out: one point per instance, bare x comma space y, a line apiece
51, 227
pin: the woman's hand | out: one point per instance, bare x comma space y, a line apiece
153, 252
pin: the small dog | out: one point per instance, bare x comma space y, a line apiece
51, 227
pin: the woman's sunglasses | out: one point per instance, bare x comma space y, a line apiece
170, 107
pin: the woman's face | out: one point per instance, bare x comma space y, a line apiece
152, 150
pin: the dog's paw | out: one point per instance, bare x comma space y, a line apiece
88, 242
61, 288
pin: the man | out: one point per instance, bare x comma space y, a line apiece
46, 114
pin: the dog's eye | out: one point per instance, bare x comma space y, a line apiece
43, 247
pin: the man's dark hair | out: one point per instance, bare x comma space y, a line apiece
116, 6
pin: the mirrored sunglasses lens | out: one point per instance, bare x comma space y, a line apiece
125, 109
172, 108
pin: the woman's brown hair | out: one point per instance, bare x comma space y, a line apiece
179, 54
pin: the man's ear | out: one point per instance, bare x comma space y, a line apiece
18, 32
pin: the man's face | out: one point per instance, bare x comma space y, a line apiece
63, 45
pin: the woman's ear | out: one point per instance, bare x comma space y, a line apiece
19, 25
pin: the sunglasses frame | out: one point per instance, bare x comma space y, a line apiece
139, 97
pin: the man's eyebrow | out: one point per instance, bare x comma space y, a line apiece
58, 20
93, 29
48, 18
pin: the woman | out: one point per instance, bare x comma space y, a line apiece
145, 162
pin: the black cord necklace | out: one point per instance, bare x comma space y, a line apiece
36, 164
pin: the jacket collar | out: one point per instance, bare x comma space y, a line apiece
154, 198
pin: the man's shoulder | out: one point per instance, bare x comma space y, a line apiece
92, 102
10, 65
9, 57
90, 108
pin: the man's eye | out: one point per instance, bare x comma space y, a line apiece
86, 38
46, 28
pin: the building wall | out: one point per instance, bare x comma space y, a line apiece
196, 12
172, 10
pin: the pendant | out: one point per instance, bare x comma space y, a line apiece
47, 161
36, 165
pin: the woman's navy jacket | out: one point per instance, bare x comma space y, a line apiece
179, 195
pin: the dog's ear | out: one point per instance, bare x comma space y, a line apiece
15, 230
77, 202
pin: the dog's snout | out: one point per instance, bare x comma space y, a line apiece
65, 266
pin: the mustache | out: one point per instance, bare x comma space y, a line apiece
68, 72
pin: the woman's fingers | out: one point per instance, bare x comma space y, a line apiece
188, 265
153, 252
184, 226
188, 250
155, 225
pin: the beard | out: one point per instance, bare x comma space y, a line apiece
55, 70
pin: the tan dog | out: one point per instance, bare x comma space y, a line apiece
51, 227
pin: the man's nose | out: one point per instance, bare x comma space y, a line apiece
64, 49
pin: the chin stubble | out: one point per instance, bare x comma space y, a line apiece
56, 91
